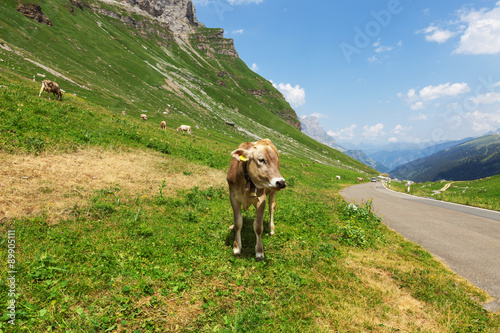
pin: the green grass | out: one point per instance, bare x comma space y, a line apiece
482, 193
128, 262
117, 70
133, 263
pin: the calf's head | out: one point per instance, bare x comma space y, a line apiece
262, 163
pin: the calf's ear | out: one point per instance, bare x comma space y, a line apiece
241, 154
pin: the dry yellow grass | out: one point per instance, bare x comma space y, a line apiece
398, 310
53, 183
406, 313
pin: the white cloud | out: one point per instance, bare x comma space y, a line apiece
296, 96
418, 100
243, 2
419, 116
255, 68
319, 115
483, 122
489, 98
345, 133
373, 132
417, 106
373, 60
479, 31
434, 34
400, 129
381, 49
393, 140
411, 93
482, 35
238, 32
434, 92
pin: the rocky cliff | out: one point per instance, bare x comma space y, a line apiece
312, 128
180, 15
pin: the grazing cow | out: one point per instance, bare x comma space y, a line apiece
338, 177
360, 179
50, 87
163, 125
184, 128
124, 113
253, 175
144, 117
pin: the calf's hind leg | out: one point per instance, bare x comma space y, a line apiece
238, 224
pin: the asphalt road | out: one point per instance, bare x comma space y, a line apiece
467, 239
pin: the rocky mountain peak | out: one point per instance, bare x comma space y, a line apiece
180, 15
312, 128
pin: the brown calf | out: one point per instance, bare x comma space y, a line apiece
252, 176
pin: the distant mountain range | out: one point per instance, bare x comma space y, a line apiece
465, 159
474, 159
312, 128
396, 154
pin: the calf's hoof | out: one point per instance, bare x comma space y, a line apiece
236, 249
259, 257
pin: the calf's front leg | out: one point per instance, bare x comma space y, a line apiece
272, 209
258, 227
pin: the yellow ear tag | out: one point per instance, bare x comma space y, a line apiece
242, 158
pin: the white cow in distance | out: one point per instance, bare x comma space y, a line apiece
184, 128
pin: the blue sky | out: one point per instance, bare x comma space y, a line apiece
374, 71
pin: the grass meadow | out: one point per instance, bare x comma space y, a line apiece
122, 227
482, 193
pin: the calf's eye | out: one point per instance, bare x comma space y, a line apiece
261, 160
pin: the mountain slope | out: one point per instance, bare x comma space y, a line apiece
471, 160
124, 59
396, 154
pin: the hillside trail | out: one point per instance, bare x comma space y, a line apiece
52, 184
444, 188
